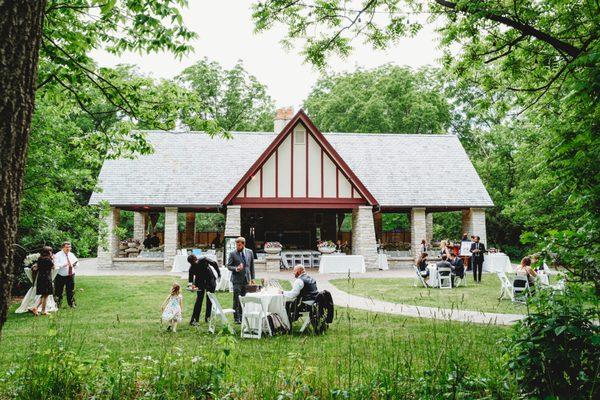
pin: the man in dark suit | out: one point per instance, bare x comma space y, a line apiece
458, 266
202, 278
477, 250
241, 265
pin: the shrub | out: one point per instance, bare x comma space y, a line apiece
555, 351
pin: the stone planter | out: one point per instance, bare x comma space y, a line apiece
326, 250
273, 250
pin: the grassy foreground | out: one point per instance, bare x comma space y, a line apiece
112, 346
479, 297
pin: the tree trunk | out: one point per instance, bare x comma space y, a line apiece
20, 36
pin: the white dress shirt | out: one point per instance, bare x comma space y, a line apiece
297, 286
60, 262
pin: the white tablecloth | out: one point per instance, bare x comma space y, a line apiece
31, 298
382, 262
273, 302
181, 264
341, 264
433, 275
224, 284
497, 262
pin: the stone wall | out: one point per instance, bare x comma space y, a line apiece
171, 236
363, 235
233, 221
418, 229
139, 225
108, 239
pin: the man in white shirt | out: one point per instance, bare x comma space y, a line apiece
304, 288
65, 261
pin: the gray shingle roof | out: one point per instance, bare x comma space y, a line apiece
194, 170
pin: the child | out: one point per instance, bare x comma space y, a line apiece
172, 308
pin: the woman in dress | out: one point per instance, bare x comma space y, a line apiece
422, 265
525, 270
172, 308
43, 281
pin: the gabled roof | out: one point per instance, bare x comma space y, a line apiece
302, 118
193, 169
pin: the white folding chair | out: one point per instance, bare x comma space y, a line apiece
254, 317
520, 288
305, 315
419, 277
506, 289
217, 312
444, 278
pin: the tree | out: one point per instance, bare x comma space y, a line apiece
59, 36
221, 100
535, 64
387, 99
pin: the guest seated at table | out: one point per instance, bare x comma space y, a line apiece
443, 263
458, 266
525, 270
304, 288
202, 279
422, 265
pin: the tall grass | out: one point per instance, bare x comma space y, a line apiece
437, 359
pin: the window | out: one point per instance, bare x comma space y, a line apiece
299, 136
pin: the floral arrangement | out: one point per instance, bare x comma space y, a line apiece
325, 243
272, 245
31, 259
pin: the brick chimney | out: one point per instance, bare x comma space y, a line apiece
282, 117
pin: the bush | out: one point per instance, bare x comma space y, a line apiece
555, 351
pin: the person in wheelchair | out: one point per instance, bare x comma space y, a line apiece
304, 289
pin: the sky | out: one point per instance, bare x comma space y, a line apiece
226, 34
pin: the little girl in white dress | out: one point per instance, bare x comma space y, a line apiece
172, 308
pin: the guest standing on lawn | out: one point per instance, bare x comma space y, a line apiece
172, 308
43, 281
241, 265
202, 279
66, 263
477, 250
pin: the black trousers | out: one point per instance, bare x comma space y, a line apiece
477, 268
238, 290
294, 308
60, 282
198, 305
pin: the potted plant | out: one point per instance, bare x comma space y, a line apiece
326, 247
272, 247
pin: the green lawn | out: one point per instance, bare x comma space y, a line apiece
115, 332
481, 297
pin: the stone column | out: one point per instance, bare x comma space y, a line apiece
171, 234
363, 235
139, 225
473, 222
190, 228
418, 229
108, 241
233, 221
429, 227
272, 262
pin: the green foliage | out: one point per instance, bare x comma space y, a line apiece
387, 99
220, 100
554, 352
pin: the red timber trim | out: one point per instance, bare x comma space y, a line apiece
307, 166
276, 173
261, 182
322, 175
298, 202
337, 183
292, 164
321, 141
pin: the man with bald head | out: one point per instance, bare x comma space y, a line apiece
304, 288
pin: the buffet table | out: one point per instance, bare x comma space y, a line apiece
341, 264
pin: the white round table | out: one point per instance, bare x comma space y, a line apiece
433, 275
497, 262
273, 302
341, 264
